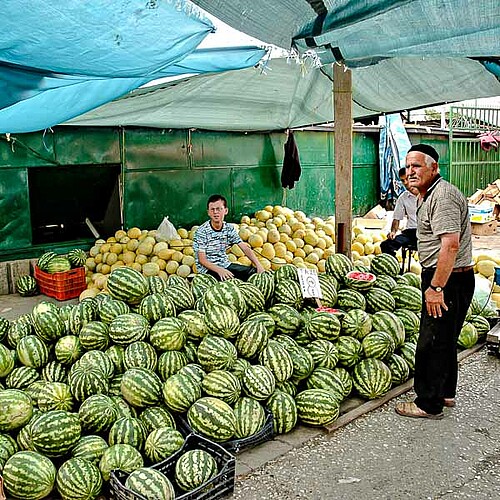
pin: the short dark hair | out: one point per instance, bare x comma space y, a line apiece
217, 197
402, 171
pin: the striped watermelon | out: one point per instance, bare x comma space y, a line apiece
252, 338
128, 328
222, 320
181, 296
156, 306
26, 286
21, 377
77, 257
389, 322
265, 318
385, 264
410, 320
223, 385
250, 417
140, 355
17, 331
120, 456
386, 282
141, 387
200, 283
372, 378
150, 483
288, 386
4, 327
31, 351
265, 283
58, 264
468, 336
47, 321
78, 478
196, 326
324, 353
6, 361
226, 293
128, 430
212, 418
258, 382
29, 475
322, 325
275, 357
127, 284
408, 297
287, 291
97, 413
94, 335
349, 351
329, 289
216, 353
239, 367
379, 345
8, 447
80, 315
168, 334
317, 407
407, 351
482, 325
156, 284
180, 392
287, 319
286, 271
194, 468
47, 435
90, 448
161, 443
116, 353
286, 340
176, 280
303, 363
55, 396
359, 280
54, 372
17, 408
254, 298
328, 380
350, 299
155, 417
169, 363
356, 323
68, 349
400, 371
338, 265
97, 359
193, 370
282, 406
44, 259
110, 308
378, 299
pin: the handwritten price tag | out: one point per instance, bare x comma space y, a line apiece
309, 283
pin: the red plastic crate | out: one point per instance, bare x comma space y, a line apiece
62, 286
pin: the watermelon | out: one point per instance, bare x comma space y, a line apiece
90, 448
87, 380
482, 325
216, 353
324, 353
150, 483
140, 355
468, 336
379, 345
29, 475
386, 282
328, 380
372, 378
77, 257
54, 372
161, 443
194, 468
21, 377
156, 306
196, 326
385, 264
286, 271
287, 291
287, 319
239, 367
413, 279
252, 337
200, 283
127, 284
155, 417
407, 351
26, 286
128, 328
80, 315
17, 408
389, 322
33, 352
47, 321
55, 396
94, 335
212, 418
329, 289
378, 299
116, 353
181, 296
265, 283
400, 371
275, 357
408, 297
68, 349
250, 417
349, 351
317, 407
97, 359
223, 385
322, 325
128, 430
110, 308
282, 406
348, 299
17, 331
226, 293
78, 479
141, 387
222, 320
97, 413
254, 298
120, 456
8, 447
4, 327
180, 391
359, 280
410, 320
303, 363
44, 259
338, 265
169, 363
6, 361
258, 382
356, 323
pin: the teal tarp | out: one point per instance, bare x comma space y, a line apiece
59, 60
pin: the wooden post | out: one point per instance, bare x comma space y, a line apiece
342, 105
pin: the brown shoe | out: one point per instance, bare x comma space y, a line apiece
412, 410
449, 402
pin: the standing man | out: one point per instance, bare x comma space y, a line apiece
406, 205
445, 252
213, 238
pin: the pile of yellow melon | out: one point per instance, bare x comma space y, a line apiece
484, 267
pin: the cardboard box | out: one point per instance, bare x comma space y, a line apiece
377, 212
485, 229
480, 213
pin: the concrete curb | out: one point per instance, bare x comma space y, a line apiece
250, 460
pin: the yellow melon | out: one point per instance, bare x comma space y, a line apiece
263, 234
98, 258
299, 234
291, 246
183, 233
355, 255
376, 249
257, 250
365, 260
162, 274
177, 256
244, 261
129, 257
300, 253
308, 249
309, 265
90, 263
369, 248
172, 267
166, 254
176, 244
141, 259
277, 263
161, 263
297, 260
245, 219
415, 267
284, 237
236, 250
299, 242
321, 265
260, 224
232, 258
187, 260
278, 221
280, 250
271, 225
144, 248
134, 233
311, 237
268, 251
319, 252
358, 247
329, 229
273, 236
132, 245
88, 293
297, 226
188, 251
329, 251
255, 240
486, 267
183, 270
322, 242
289, 257
161, 245
111, 258
312, 258
285, 228
263, 215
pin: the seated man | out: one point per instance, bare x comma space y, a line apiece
406, 205
213, 238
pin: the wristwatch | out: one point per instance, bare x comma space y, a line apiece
436, 288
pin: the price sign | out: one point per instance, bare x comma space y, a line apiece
309, 283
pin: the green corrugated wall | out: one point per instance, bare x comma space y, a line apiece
172, 172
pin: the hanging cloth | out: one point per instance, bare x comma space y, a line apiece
291, 171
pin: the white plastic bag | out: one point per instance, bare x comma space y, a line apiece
167, 231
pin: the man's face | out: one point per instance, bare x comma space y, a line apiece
217, 211
419, 174
406, 183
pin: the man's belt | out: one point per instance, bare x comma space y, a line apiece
455, 270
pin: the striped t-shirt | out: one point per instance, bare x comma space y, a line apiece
214, 244
443, 210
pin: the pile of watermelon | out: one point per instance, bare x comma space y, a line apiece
98, 386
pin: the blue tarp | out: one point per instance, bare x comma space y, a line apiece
393, 147
59, 60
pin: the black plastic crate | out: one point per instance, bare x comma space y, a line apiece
236, 445
493, 321
219, 486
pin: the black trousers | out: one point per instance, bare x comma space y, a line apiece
407, 237
436, 365
239, 271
